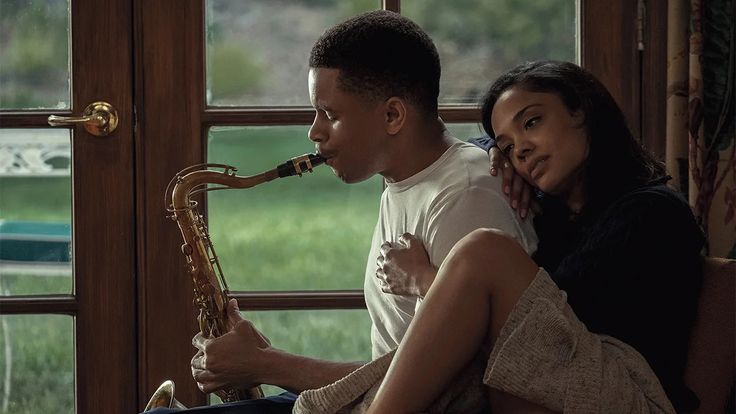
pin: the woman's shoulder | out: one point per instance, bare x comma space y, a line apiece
659, 200
658, 210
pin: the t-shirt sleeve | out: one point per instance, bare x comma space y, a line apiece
484, 142
452, 219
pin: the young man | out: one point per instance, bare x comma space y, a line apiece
374, 82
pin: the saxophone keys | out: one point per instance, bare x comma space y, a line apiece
186, 249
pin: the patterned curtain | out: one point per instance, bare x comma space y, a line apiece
701, 117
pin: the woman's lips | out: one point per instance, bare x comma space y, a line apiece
538, 168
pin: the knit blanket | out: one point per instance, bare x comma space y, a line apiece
543, 354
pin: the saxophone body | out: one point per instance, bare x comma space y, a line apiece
210, 288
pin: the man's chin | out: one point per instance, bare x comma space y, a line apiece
349, 178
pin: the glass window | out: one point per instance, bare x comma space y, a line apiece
465, 131
333, 335
34, 54
257, 51
296, 233
35, 212
37, 364
479, 39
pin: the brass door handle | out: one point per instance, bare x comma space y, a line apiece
98, 118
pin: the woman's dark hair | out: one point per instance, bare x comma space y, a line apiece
616, 162
381, 54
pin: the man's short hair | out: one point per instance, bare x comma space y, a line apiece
381, 54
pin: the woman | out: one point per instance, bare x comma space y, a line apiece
623, 247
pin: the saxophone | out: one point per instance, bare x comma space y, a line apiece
210, 288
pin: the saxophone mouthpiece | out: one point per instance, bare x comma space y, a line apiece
300, 164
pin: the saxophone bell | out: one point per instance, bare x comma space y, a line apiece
164, 398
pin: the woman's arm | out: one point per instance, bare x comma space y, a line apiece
518, 190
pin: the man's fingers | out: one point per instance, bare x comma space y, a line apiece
233, 312
200, 341
207, 386
198, 361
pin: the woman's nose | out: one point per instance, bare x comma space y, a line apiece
523, 149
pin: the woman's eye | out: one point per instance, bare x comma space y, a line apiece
531, 122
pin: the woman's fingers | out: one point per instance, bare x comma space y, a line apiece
508, 173
524, 204
496, 158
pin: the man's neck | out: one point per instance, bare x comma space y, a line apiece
418, 150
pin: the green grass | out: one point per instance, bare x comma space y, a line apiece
41, 363
295, 233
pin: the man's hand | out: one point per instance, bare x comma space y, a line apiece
403, 268
518, 190
231, 360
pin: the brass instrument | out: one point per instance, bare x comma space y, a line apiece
210, 289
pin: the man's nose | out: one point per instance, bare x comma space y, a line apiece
315, 132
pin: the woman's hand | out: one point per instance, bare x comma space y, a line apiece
404, 268
518, 190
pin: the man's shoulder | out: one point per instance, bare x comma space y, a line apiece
467, 169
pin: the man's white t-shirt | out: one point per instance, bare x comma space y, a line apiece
439, 205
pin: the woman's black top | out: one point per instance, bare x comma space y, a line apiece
632, 271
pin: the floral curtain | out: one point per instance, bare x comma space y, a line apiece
701, 117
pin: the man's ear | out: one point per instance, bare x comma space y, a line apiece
395, 115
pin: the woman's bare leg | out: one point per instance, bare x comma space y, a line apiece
476, 288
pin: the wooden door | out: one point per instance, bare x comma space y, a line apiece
96, 305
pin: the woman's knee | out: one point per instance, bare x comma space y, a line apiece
494, 254
493, 246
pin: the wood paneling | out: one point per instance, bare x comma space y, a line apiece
343, 299
654, 79
609, 51
104, 214
169, 95
60, 304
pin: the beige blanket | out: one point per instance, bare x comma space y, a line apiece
544, 354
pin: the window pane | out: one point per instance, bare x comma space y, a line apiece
257, 51
479, 39
37, 364
310, 232
34, 54
334, 335
465, 131
35, 212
